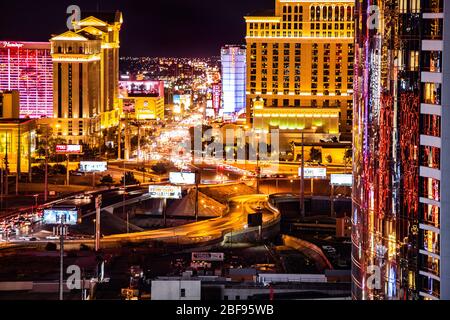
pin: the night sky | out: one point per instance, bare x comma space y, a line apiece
172, 28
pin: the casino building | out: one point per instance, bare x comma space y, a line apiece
27, 67
401, 189
300, 69
86, 77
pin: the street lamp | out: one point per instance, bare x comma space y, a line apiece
302, 181
258, 169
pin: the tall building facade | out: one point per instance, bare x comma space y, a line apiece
86, 76
401, 222
300, 63
27, 67
234, 70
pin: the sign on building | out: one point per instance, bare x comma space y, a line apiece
165, 192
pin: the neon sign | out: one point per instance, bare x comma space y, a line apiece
7, 44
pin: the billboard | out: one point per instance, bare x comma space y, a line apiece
208, 256
183, 178
313, 173
93, 166
69, 149
129, 105
54, 216
342, 180
184, 101
217, 96
141, 88
165, 192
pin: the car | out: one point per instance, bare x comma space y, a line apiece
52, 238
76, 173
33, 239
329, 249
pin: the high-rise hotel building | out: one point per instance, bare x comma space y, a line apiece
234, 69
300, 64
27, 68
86, 77
401, 191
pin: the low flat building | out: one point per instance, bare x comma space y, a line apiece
17, 144
176, 290
9, 104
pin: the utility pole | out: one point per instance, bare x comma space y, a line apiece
124, 194
139, 143
18, 169
6, 168
98, 205
67, 171
127, 139
258, 169
119, 142
197, 183
302, 182
332, 201
61, 257
46, 165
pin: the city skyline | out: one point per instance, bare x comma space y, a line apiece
165, 151
206, 25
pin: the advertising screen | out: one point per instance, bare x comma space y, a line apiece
93, 166
183, 178
313, 173
147, 88
69, 149
208, 256
54, 216
342, 180
165, 192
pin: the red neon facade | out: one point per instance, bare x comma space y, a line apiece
28, 68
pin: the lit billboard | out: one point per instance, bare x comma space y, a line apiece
165, 192
145, 88
313, 173
93, 166
54, 216
342, 180
182, 178
184, 101
69, 149
217, 96
208, 256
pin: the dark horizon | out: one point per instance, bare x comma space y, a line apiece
160, 28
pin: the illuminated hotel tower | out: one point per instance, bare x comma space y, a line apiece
234, 70
86, 75
300, 62
27, 67
401, 192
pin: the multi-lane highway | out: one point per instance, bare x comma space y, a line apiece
235, 219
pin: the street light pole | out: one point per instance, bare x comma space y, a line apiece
61, 257
67, 171
119, 142
302, 182
258, 169
98, 204
18, 169
197, 182
46, 165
